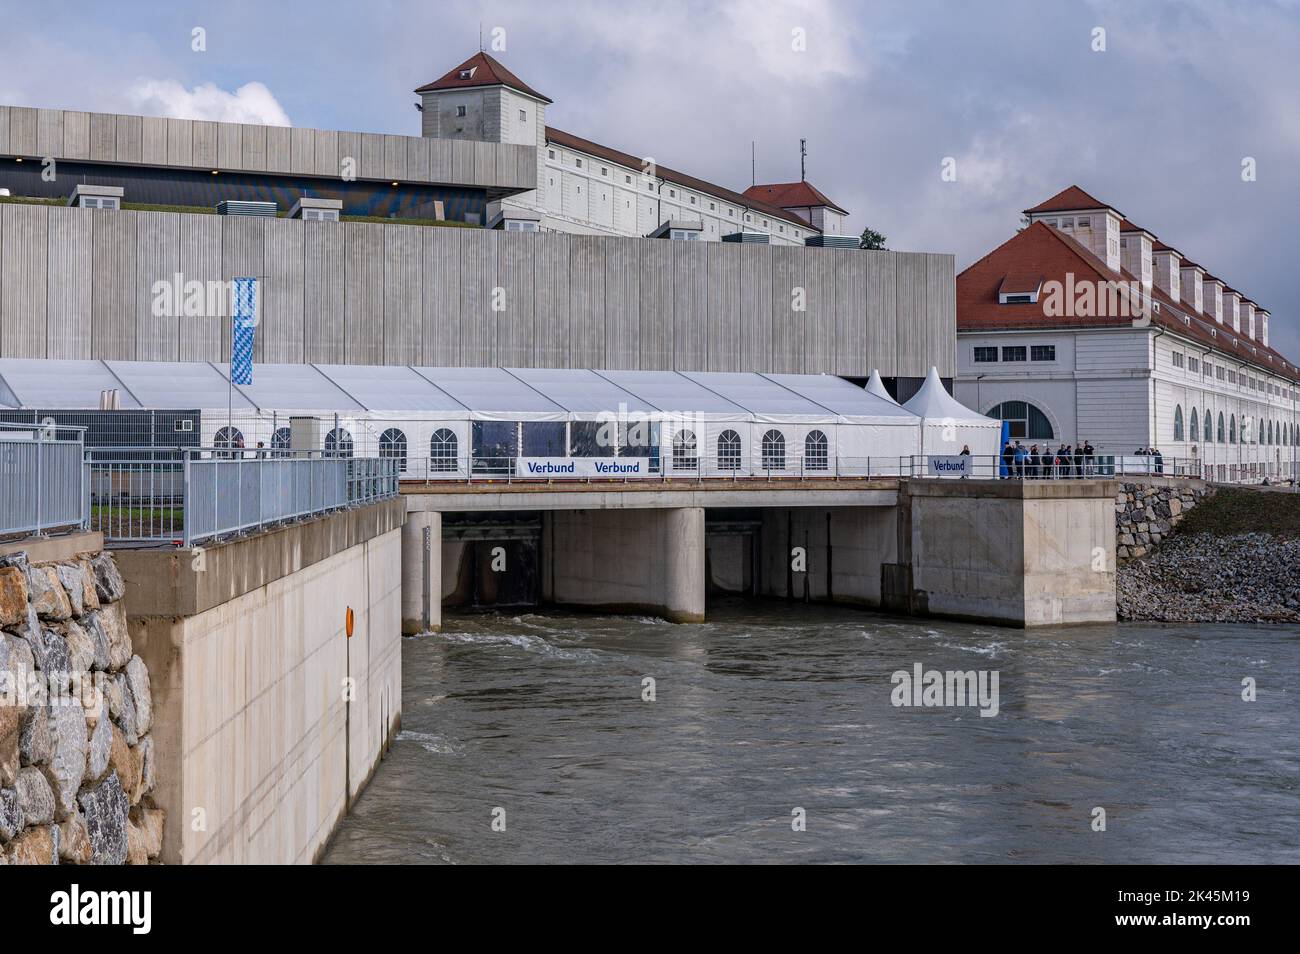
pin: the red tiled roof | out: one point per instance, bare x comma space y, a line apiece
1051, 253
791, 195
570, 141
1019, 282
484, 71
1069, 200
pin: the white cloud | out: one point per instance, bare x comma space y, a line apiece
250, 103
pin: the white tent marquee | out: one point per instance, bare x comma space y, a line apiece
948, 425
481, 420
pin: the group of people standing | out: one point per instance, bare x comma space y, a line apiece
1033, 462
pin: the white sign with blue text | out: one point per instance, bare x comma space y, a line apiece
561, 467
956, 465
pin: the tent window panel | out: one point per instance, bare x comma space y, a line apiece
543, 438
280, 440
592, 439
444, 451
495, 445
392, 444
685, 451
338, 443
773, 449
228, 437
728, 450
816, 451
638, 439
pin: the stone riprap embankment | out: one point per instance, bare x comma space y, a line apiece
1145, 514
76, 756
1201, 578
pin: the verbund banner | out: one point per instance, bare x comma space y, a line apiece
557, 467
957, 465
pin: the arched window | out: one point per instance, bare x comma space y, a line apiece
685, 451
816, 451
1178, 422
1024, 419
280, 440
1232, 429
773, 450
392, 443
444, 451
1286, 435
728, 450
338, 443
1219, 438
1194, 420
228, 437
1209, 426
1268, 439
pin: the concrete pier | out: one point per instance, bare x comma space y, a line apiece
642, 561
422, 572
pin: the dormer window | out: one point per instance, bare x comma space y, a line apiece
468, 74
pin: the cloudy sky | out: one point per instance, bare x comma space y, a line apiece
1157, 124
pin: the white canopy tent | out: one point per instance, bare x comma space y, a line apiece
877, 387
711, 423
948, 425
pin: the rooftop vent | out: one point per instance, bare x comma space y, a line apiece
96, 197
241, 207
831, 241
318, 210
747, 238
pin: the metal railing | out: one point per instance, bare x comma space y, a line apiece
42, 479
184, 496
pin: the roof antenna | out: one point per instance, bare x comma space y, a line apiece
480, 36
803, 154
753, 167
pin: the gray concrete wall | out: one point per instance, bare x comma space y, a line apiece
1029, 553
261, 746
240, 147
644, 561
843, 549
422, 572
77, 283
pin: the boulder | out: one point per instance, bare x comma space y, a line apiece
74, 840
112, 620
35, 846
18, 559
108, 581
99, 741
47, 593
81, 648
13, 596
121, 706
11, 730
98, 639
68, 766
137, 852
37, 741
69, 575
11, 814
137, 680
105, 808
124, 762
35, 797
150, 823
147, 764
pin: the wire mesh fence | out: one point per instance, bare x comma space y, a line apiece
42, 480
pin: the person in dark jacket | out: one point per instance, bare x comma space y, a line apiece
1008, 455
1078, 460
1088, 453
1033, 460
1160, 460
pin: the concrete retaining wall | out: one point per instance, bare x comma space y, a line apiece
262, 739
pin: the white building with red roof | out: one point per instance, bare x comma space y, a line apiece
1087, 327
587, 188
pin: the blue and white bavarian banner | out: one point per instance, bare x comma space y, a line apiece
244, 315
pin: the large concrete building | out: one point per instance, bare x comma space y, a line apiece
587, 188
372, 249
1087, 327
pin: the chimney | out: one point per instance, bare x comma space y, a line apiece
1232, 308
109, 400
1247, 311
1168, 272
1262, 315
1135, 253
1213, 298
1191, 278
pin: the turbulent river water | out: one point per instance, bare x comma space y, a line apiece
538, 722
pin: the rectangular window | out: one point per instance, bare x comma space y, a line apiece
1043, 352
604, 171
1013, 353
627, 180
1219, 372
1177, 359
1193, 365
1232, 377
1084, 222
460, 110
578, 163
985, 355
550, 153
523, 116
